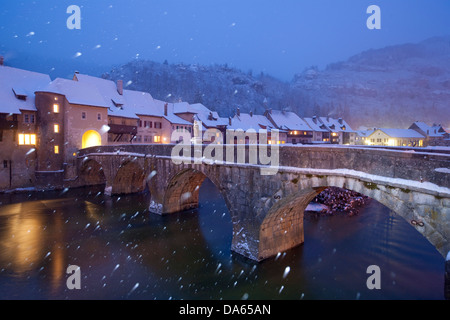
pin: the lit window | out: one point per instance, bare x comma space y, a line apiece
27, 139
56, 108
157, 139
56, 128
56, 149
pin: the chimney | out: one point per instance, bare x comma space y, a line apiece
238, 112
340, 120
2, 60
165, 108
251, 113
229, 121
120, 87
314, 119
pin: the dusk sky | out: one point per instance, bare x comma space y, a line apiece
277, 37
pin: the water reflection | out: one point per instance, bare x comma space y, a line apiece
125, 252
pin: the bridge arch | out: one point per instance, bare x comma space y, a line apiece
130, 178
91, 173
183, 189
282, 227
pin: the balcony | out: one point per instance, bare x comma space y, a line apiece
122, 129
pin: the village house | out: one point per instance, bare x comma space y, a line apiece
248, 122
361, 137
174, 128
122, 119
340, 131
395, 138
297, 129
321, 134
435, 135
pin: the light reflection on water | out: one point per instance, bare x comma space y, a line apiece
126, 253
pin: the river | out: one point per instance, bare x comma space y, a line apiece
124, 252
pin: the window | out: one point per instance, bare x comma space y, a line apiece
31, 118
27, 139
99, 116
140, 123
158, 125
26, 118
56, 108
150, 124
145, 124
56, 128
145, 138
83, 115
157, 139
56, 149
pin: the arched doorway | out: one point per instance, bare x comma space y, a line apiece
91, 138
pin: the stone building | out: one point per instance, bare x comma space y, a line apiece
18, 126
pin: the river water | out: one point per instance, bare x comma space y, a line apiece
124, 252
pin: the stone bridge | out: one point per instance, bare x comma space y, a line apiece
267, 210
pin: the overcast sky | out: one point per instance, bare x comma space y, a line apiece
278, 37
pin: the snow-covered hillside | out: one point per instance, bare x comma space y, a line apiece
388, 87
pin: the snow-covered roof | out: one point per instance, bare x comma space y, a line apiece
246, 121
336, 125
431, 131
141, 103
364, 133
182, 107
316, 125
118, 105
171, 117
209, 118
287, 120
76, 92
17, 82
400, 133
